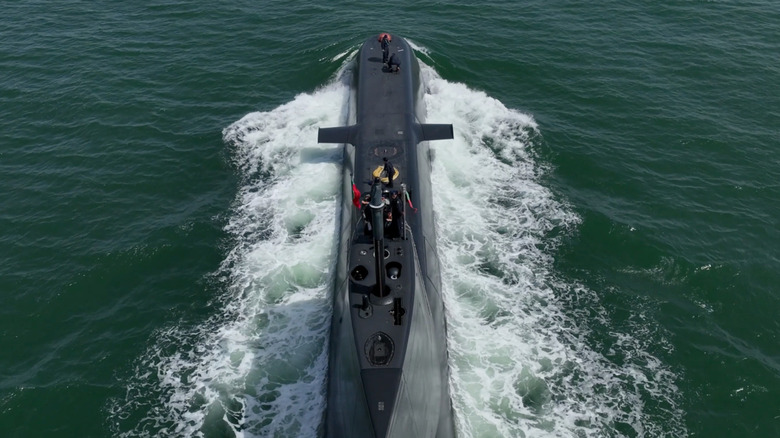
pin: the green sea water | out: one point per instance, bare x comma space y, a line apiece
148, 150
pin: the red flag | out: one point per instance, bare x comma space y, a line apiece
355, 195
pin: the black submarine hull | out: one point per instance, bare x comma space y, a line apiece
388, 364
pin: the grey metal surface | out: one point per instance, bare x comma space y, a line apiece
388, 368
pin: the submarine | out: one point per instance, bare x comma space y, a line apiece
388, 369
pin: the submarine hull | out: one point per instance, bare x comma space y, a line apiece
388, 364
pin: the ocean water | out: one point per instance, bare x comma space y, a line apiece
607, 214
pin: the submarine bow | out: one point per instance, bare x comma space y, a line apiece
388, 369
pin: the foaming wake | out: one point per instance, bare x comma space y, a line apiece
257, 367
519, 336
522, 358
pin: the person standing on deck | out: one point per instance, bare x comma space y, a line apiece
389, 170
385, 49
396, 208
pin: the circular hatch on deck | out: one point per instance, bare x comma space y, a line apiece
379, 349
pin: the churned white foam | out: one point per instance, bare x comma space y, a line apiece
523, 361
347, 54
418, 48
258, 366
285, 226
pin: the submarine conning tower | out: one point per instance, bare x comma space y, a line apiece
388, 369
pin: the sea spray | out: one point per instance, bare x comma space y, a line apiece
522, 356
258, 366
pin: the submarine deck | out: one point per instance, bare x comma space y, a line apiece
385, 110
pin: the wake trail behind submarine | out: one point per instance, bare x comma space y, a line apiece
519, 364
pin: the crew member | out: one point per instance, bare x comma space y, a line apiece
389, 222
394, 64
389, 170
385, 49
366, 201
396, 209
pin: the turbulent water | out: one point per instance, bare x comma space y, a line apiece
606, 214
